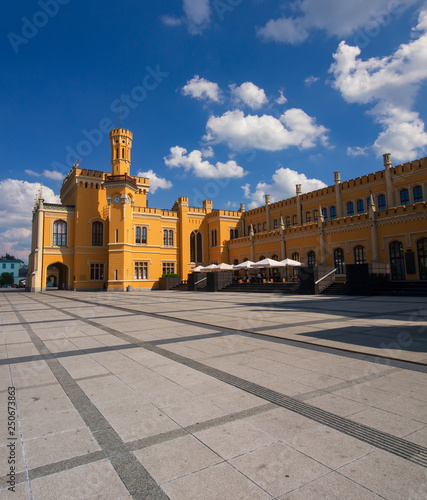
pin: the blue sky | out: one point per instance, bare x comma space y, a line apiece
227, 99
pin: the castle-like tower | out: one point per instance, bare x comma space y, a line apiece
121, 145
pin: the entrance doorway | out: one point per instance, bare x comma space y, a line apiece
57, 276
397, 261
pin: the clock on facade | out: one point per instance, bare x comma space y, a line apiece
116, 199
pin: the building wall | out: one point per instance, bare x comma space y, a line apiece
280, 229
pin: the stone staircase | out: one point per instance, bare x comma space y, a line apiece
336, 288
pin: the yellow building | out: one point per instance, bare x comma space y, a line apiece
103, 235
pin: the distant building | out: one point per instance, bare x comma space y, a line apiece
103, 235
12, 266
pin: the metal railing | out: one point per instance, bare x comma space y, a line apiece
325, 281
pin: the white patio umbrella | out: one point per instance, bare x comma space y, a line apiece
208, 269
197, 269
248, 264
292, 263
223, 267
268, 263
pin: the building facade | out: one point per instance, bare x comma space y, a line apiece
12, 266
104, 236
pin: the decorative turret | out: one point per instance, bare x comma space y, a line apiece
121, 144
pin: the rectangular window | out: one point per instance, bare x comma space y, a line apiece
96, 272
141, 270
214, 238
168, 268
117, 235
4, 266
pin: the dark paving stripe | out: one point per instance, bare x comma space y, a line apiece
381, 440
345, 385
134, 476
65, 354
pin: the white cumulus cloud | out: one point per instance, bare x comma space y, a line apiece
357, 151
339, 18
49, 174
293, 128
16, 205
281, 99
282, 187
390, 85
194, 164
249, 94
197, 14
155, 181
200, 88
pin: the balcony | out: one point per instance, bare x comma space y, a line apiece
120, 178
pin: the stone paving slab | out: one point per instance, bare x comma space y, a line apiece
172, 395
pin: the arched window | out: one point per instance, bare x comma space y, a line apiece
381, 202
170, 242
308, 217
294, 220
141, 235
360, 207
333, 212
359, 254
60, 233
275, 257
123, 152
262, 257
339, 260
316, 214
397, 258
236, 261
97, 234
311, 259
418, 194
404, 197
196, 247
165, 237
325, 213
350, 208
422, 258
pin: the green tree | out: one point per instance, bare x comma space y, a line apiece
6, 279
8, 256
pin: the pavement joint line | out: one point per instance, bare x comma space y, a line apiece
379, 439
139, 483
338, 351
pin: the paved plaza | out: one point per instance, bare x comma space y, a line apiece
192, 395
